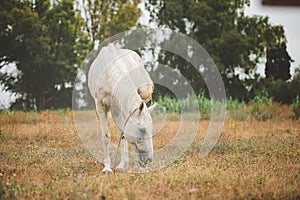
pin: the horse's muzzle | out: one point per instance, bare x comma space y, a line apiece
145, 158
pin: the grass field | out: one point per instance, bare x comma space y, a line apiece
42, 157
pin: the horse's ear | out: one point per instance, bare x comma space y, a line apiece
151, 108
141, 106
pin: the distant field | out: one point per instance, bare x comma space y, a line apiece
42, 157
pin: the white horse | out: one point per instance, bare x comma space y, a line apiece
119, 82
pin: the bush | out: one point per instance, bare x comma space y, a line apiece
171, 104
261, 106
296, 107
237, 110
206, 106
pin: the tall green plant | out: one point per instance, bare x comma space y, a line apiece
236, 110
296, 107
261, 106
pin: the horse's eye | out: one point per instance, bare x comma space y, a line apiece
143, 130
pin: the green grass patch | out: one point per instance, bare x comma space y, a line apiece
296, 107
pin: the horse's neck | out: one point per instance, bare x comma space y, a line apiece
126, 97
121, 113
124, 87
134, 102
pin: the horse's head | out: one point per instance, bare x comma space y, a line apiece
138, 131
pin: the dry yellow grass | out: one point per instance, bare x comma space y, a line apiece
42, 157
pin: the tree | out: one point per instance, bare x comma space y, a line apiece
278, 59
47, 41
232, 39
278, 63
41, 40
60, 61
102, 19
15, 18
109, 17
19, 30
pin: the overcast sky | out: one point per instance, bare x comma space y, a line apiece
289, 17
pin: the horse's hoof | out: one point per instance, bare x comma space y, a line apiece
121, 167
107, 170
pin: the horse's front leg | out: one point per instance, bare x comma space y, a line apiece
124, 154
102, 114
124, 149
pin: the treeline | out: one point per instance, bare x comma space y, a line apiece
236, 42
47, 41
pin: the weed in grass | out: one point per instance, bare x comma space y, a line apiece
236, 110
261, 106
4, 136
61, 111
223, 147
261, 178
8, 112
238, 115
1, 190
296, 107
13, 189
171, 104
1, 134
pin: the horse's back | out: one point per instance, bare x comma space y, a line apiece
112, 69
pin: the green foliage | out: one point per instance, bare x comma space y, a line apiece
262, 98
278, 63
233, 104
48, 40
171, 104
1, 134
188, 104
223, 147
281, 91
4, 136
236, 109
227, 34
261, 106
205, 105
106, 18
8, 112
284, 92
44, 37
61, 111
296, 107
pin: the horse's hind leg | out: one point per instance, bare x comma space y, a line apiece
102, 114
